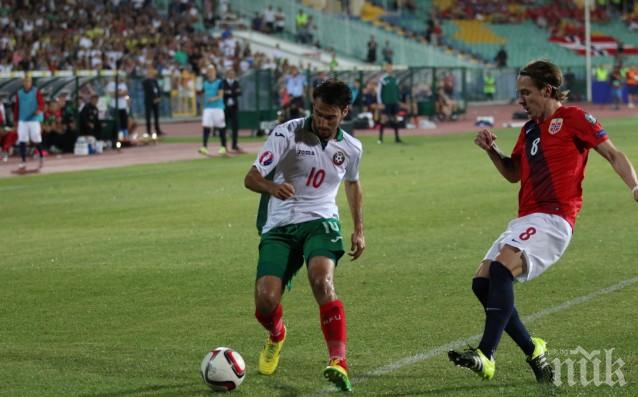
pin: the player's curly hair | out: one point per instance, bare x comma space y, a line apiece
544, 73
333, 92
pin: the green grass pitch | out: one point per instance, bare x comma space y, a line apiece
117, 282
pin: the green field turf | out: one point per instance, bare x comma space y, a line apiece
117, 282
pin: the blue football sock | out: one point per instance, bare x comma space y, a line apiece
500, 304
515, 328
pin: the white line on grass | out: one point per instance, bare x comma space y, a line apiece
462, 342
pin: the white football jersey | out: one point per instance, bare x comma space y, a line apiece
294, 154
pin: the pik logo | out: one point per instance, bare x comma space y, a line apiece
338, 158
266, 158
555, 125
584, 368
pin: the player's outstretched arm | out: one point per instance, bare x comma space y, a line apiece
486, 140
257, 183
621, 164
354, 194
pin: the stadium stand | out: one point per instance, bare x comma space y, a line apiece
351, 34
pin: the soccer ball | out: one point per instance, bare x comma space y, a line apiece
223, 369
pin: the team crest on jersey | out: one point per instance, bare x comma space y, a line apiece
266, 158
590, 118
338, 158
555, 125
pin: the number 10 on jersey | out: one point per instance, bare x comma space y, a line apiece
316, 177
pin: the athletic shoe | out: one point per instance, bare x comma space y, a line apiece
475, 360
540, 364
269, 356
237, 149
337, 373
222, 150
203, 150
5, 157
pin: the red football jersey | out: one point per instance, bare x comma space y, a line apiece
552, 157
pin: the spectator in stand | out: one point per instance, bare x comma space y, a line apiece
69, 128
257, 23
501, 58
152, 97
387, 52
8, 136
372, 50
301, 24
269, 19
445, 106
232, 92
280, 20
52, 130
449, 84
89, 118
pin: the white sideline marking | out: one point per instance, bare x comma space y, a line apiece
474, 338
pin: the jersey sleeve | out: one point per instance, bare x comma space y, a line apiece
273, 150
588, 129
352, 169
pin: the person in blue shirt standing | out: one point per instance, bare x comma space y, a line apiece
296, 87
28, 113
213, 114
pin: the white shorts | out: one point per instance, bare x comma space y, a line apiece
214, 118
29, 131
542, 238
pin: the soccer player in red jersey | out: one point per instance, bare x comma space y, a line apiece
549, 160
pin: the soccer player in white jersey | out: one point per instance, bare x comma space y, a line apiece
298, 172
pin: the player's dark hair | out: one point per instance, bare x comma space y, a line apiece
544, 73
333, 92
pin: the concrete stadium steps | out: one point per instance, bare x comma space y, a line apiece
297, 54
516, 41
349, 36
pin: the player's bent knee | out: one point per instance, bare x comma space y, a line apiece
266, 302
267, 293
323, 288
